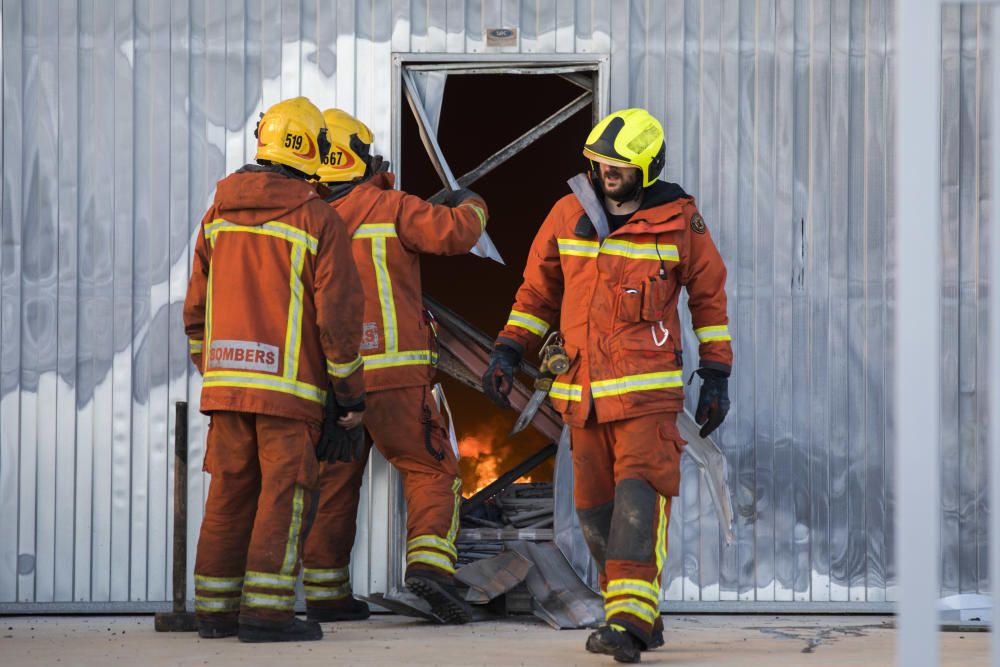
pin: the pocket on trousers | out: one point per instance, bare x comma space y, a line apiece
672, 448
630, 303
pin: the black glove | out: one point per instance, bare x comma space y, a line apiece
337, 443
499, 377
713, 401
456, 197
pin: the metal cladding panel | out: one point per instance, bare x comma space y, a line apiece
118, 118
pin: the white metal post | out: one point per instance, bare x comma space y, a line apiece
993, 348
918, 329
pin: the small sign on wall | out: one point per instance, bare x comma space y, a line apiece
501, 37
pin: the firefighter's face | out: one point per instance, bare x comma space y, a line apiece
616, 180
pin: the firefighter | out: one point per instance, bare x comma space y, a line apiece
616, 299
273, 317
390, 229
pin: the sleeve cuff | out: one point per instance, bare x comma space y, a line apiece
511, 343
716, 366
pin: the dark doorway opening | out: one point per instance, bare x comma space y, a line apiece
480, 114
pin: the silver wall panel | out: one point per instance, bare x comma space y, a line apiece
118, 119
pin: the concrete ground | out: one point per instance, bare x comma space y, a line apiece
394, 640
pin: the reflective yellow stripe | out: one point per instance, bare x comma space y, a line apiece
636, 587
293, 333
195, 346
385, 297
709, 334
432, 541
632, 383
268, 580
456, 489
578, 248
566, 392
639, 609
430, 558
655, 251
279, 602
527, 321
249, 380
375, 231
331, 576
208, 317
317, 593
344, 370
480, 213
202, 603
391, 360
294, 532
661, 539
218, 583
275, 229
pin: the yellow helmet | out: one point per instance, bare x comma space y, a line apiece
292, 133
632, 138
350, 148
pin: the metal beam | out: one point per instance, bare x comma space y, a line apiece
993, 419
513, 148
484, 247
918, 330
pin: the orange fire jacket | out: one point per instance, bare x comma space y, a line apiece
389, 230
618, 305
274, 299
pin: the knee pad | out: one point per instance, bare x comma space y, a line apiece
595, 522
632, 536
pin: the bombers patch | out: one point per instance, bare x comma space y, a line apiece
697, 224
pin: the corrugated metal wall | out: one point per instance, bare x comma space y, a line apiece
118, 118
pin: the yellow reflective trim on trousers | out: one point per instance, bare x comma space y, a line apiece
641, 610
636, 587
386, 301
202, 603
273, 228
344, 370
328, 576
250, 380
294, 532
578, 247
666, 252
527, 321
566, 392
430, 558
269, 580
434, 542
375, 230
633, 383
195, 346
713, 333
480, 213
456, 489
279, 602
395, 359
661, 538
293, 332
218, 583
316, 593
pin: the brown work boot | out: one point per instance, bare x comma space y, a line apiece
439, 591
256, 631
217, 628
656, 636
348, 609
619, 644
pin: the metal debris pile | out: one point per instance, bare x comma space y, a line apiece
519, 512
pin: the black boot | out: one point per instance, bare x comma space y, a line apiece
439, 591
656, 636
213, 628
616, 643
295, 630
347, 609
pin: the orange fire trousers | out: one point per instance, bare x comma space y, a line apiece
407, 429
625, 473
263, 469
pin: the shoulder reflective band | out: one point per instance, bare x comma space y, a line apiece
276, 229
709, 334
632, 383
412, 358
248, 380
344, 370
653, 251
578, 248
379, 230
528, 321
566, 392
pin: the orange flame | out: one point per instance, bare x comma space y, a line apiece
487, 453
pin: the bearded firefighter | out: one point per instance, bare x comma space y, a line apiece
612, 275
390, 229
273, 317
